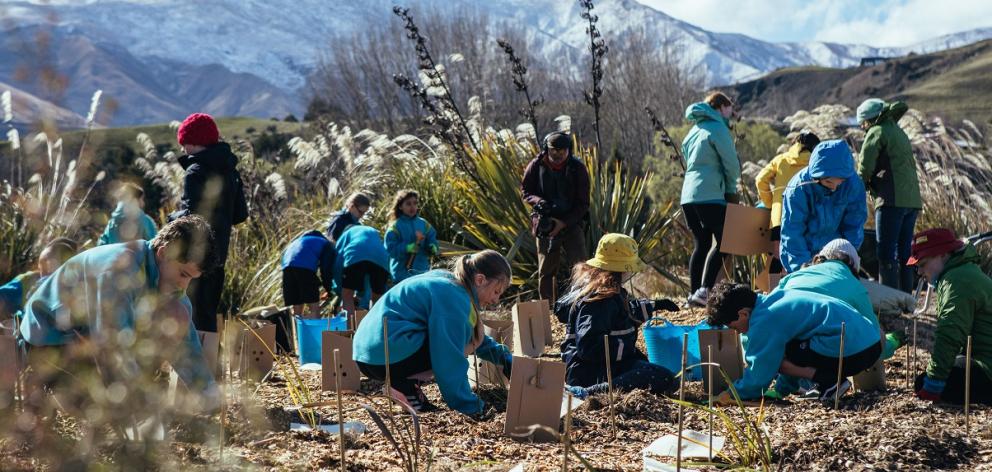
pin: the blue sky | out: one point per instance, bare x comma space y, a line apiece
876, 23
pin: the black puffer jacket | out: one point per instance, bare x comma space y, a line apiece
213, 189
586, 323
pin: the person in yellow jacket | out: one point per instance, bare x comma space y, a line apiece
773, 179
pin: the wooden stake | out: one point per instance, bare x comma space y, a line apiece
967, 389
337, 388
840, 368
909, 372
385, 346
913, 369
709, 374
609, 384
685, 351
568, 433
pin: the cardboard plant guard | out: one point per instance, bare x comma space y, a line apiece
766, 281
350, 376
745, 231
726, 348
486, 372
248, 355
8, 370
871, 380
528, 329
535, 397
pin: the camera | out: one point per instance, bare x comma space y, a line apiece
545, 224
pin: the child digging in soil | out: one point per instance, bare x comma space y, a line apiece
300, 284
410, 239
361, 264
796, 333
15, 293
433, 324
597, 305
964, 308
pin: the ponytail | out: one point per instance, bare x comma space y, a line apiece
489, 263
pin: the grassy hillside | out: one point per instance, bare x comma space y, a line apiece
952, 83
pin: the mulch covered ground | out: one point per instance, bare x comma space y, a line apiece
871, 431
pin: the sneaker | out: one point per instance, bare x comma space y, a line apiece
578, 392
699, 297
834, 390
418, 401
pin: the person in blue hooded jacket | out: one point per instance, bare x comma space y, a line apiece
433, 323
410, 240
122, 298
822, 202
361, 262
300, 261
129, 222
16, 292
796, 333
711, 175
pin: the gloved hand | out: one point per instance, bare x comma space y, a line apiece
411, 248
665, 304
932, 389
732, 198
434, 249
578, 392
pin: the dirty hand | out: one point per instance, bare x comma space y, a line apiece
931, 390
724, 399
559, 225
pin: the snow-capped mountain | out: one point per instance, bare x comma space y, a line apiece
280, 41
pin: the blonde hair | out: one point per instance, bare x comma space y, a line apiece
489, 263
592, 283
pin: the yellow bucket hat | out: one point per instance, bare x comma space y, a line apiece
617, 253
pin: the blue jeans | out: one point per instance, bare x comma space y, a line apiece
894, 233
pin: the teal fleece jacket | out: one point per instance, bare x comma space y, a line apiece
433, 308
102, 291
833, 279
401, 243
712, 166
128, 223
785, 315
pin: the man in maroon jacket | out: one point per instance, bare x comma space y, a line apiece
556, 186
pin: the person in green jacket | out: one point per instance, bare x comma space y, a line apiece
964, 308
711, 175
888, 170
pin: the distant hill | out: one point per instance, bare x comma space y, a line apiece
953, 83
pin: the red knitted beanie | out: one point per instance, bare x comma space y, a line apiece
198, 129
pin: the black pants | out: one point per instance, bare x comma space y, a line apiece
571, 240
204, 294
639, 374
799, 353
705, 220
399, 371
981, 384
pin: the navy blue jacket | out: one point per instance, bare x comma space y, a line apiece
311, 251
586, 323
340, 221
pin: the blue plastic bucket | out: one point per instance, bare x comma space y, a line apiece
308, 332
664, 344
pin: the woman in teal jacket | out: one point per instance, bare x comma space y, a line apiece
711, 175
410, 239
433, 324
823, 202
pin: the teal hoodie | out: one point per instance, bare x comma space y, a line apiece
128, 223
401, 243
712, 166
786, 315
833, 279
102, 291
15, 293
434, 308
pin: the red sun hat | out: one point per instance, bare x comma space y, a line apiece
198, 129
933, 242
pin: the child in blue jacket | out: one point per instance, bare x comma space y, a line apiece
361, 261
433, 324
300, 261
595, 306
410, 239
822, 202
129, 222
121, 298
796, 333
15, 293
354, 209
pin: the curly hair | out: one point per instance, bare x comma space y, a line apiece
191, 239
402, 196
726, 300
